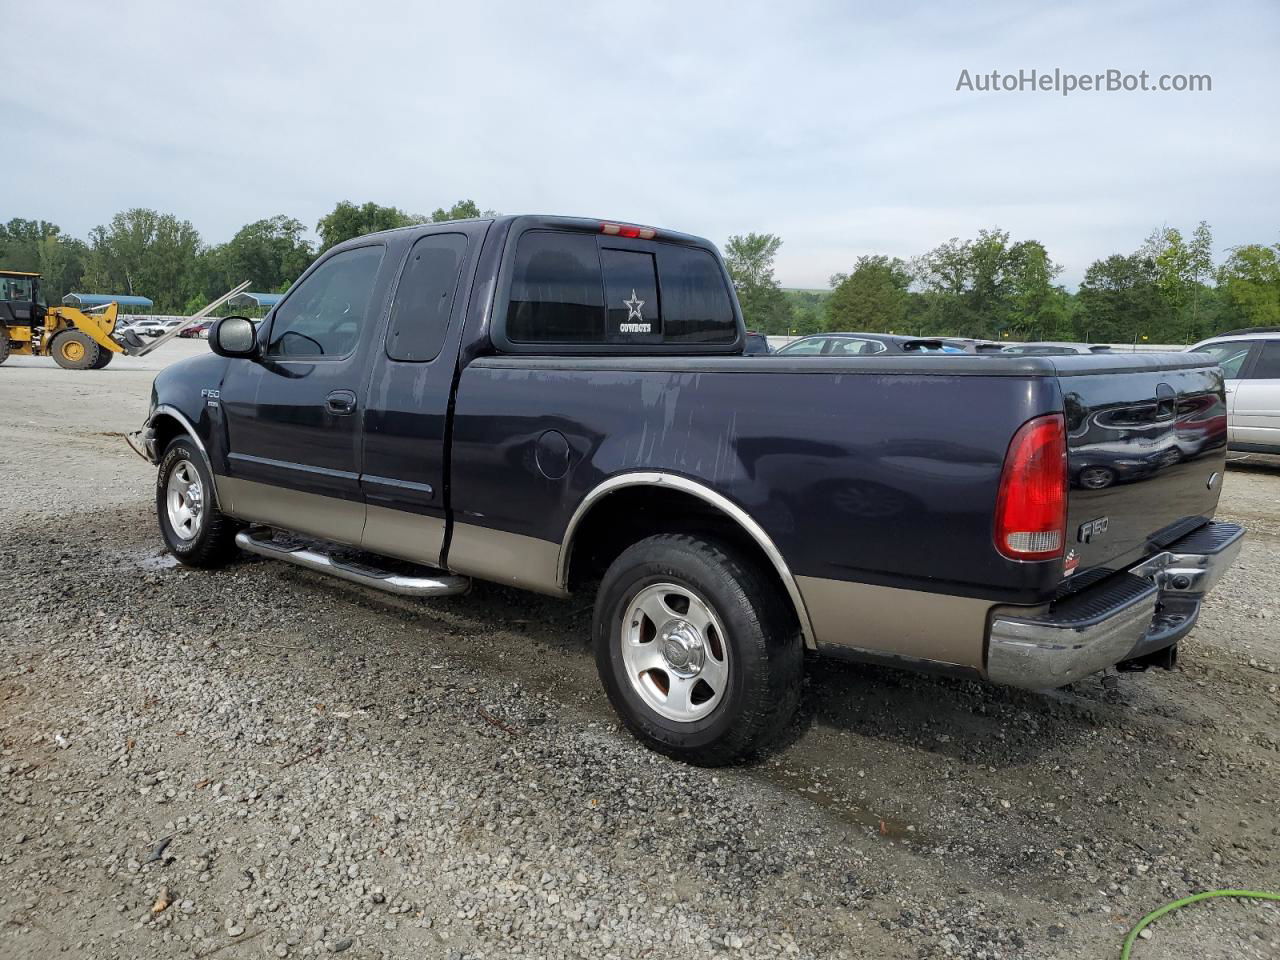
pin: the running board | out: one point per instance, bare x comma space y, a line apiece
438, 584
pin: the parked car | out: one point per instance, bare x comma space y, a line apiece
554, 403
145, 328
198, 329
865, 345
1250, 361
1054, 349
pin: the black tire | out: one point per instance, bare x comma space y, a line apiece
73, 350
4, 343
213, 542
104, 357
766, 655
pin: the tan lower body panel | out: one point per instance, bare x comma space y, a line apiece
897, 623
404, 535
330, 518
510, 558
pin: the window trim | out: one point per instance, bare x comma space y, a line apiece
502, 298
468, 254
297, 285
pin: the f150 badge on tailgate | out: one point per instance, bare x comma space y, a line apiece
1092, 528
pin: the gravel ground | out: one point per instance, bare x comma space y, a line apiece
262, 762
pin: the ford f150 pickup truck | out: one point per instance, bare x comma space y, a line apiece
559, 404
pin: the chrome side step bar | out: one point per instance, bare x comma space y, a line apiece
437, 584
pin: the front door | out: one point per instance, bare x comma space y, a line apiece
293, 417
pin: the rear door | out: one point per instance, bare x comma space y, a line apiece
406, 417
1255, 404
293, 417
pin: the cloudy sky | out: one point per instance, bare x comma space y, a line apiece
837, 126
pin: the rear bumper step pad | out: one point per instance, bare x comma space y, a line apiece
1129, 615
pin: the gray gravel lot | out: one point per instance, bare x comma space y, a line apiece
262, 762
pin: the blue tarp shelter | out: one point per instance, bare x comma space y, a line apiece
102, 299
249, 299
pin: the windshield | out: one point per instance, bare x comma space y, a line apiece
16, 288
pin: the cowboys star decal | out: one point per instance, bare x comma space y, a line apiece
633, 307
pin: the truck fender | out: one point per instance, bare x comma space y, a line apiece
722, 503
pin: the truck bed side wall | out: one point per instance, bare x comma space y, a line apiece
817, 460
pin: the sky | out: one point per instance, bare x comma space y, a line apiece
836, 126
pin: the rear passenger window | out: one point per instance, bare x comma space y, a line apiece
556, 290
576, 289
1267, 366
424, 297
695, 297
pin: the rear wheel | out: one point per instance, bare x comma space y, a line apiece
73, 350
4, 343
698, 650
194, 529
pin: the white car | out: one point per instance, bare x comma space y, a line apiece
146, 328
1250, 362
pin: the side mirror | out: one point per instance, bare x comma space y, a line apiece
234, 337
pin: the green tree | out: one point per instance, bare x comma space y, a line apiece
873, 298
1182, 271
462, 210
1249, 281
346, 221
988, 286
750, 259
270, 253
1120, 301
142, 252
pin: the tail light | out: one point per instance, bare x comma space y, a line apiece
627, 230
1031, 508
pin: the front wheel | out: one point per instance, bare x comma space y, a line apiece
698, 650
73, 350
194, 529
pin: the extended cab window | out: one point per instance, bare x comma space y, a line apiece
576, 288
324, 315
556, 290
424, 297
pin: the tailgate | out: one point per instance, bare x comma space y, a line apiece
1146, 444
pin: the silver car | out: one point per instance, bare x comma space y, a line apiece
1250, 362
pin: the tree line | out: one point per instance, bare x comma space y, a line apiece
1169, 290
157, 255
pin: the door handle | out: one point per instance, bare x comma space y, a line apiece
340, 402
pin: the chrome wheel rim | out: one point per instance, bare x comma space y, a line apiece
184, 500
675, 652
1095, 478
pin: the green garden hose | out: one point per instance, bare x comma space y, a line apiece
1170, 907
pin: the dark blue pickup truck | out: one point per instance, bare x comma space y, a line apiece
563, 404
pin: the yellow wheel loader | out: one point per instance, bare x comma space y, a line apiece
76, 339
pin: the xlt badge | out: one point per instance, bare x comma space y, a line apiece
1092, 528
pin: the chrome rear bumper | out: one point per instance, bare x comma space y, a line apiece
1149, 607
